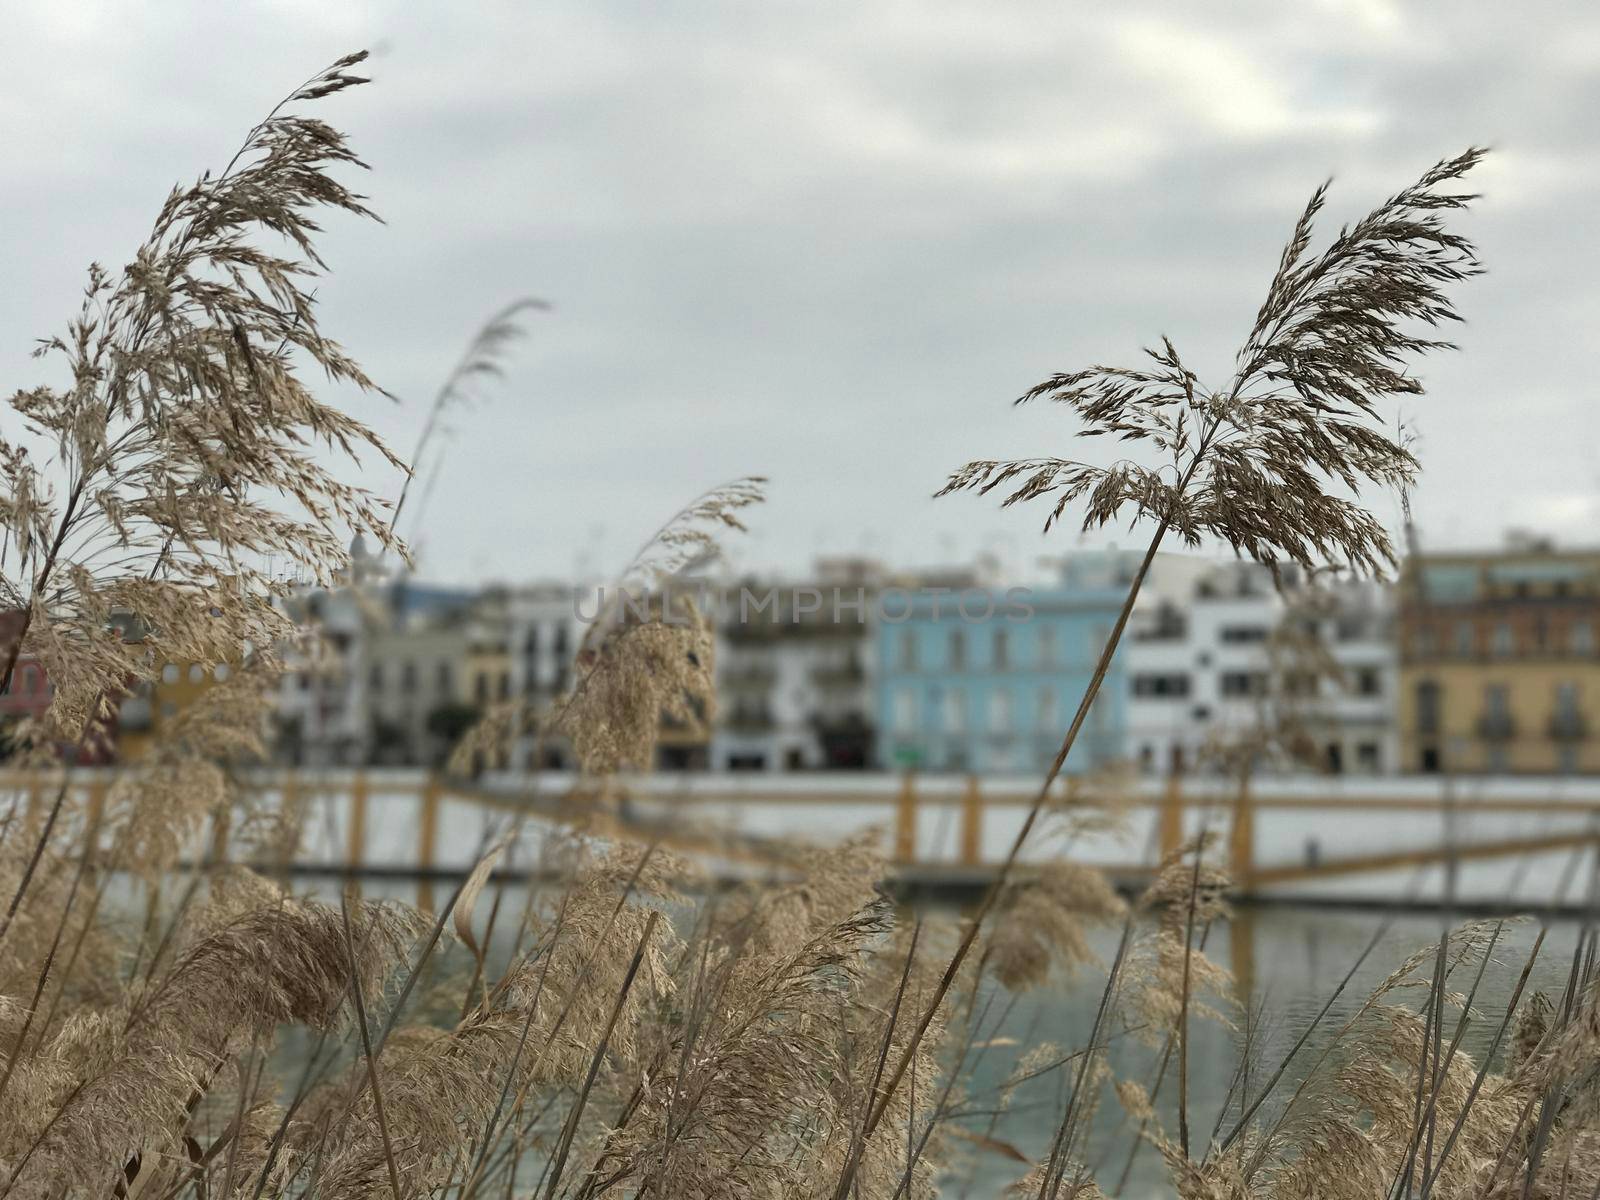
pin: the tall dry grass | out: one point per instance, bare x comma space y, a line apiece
174, 1023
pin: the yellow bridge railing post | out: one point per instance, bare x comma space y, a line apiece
972, 824
427, 841
1171, 829
905, 820
356, 835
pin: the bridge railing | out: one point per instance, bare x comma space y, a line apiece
1339, 837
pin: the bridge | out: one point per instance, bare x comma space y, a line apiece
1488, 843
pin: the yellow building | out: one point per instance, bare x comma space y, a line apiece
148, 714
1499, 670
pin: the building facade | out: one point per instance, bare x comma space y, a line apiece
1500, 661
794, 673
1226, 663
976, 677
322, 716
544, 627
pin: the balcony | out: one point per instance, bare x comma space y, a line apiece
750, 677
1496, 727
1567, 727
743, 719
832, 675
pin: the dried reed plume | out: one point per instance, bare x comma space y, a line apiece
633, 1032
1249, 463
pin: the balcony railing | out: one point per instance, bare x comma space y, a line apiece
748, 720
1568, 726
849, 674
1496, 727
758, 676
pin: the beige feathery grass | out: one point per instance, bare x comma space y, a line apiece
632, 1032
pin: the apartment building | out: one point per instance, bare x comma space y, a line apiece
1500, 661
974, 676
1225, 663
794, 672
544, 627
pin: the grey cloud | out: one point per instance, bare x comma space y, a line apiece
830, 242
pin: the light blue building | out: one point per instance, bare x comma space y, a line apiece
986, 680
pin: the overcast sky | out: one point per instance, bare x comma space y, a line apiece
829, 242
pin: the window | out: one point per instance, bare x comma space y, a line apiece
1427, 696
1243, 683
1175, 685
1497, 699
1369, 682
1566, 722
1000, 659
958, 650
1335, 758
408, 676
530, 648
1368, 758
503, 687
908, 650
1465, 642
1243, 633
1047, 710
375, 677
444, 677
999, 711
1504, 642
905, 710
1581, 637
1567, 698
480, 688
1541, 634
1047, 647
955, 711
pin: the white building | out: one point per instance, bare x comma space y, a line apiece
1209, 669
322, 714
794, 672
545, 626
